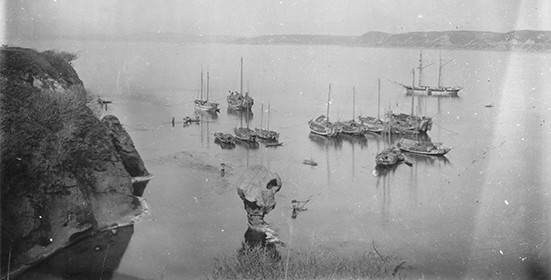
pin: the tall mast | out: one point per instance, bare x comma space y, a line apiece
420, 66
378, 98
241, 75
439, 68
353, 102
412, 78
269, 115
261, 115
328, 101
412, 103
208, 79
201, 84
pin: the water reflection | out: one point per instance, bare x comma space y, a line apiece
223, 145
324, 142
241, 115
208, 115
94, 256
247, 144
359, 140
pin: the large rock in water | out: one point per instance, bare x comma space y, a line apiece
62, 176
257, 187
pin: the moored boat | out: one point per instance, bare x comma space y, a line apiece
352, 127
374, 124
437, 90
225, 138
424, 148
238, 101
265, 133
205, 104
245, 134
404, 123
390, 156
321, 125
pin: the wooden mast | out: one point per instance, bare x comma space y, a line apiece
201, 84
328, 102
378, 99
353, 103
241, 75
420, 66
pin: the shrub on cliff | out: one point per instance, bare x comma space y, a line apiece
60, 173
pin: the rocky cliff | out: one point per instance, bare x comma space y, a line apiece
64, 173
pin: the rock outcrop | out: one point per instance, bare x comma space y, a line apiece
63, 179
257, 187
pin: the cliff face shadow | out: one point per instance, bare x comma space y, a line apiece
94, 256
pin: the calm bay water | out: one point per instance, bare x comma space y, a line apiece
482, 212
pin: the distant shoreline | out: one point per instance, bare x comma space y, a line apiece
520, 40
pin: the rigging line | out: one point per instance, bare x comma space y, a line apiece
446, 129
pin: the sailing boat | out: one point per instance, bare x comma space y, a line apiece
205, 105
245, 133
236, 100
404, 123
431, 90
372, 124
321, 124
352, 127
266, 133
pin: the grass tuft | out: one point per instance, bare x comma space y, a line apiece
315, 263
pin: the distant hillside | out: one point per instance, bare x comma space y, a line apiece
529, 40
297, 40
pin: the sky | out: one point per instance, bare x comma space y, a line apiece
248, 18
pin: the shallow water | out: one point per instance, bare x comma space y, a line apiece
482, 211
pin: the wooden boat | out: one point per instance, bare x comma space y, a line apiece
424, 148
408, 124
352, 127
276, 144
310, 162
265, 133
390, 156
188, 120
104, 101
438, 90
238, 101
404, 123
205, 104
321, 124
225, 138
372, 124
245, 134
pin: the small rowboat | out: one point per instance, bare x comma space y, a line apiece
310, 162
423, 148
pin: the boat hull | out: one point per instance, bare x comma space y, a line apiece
204, 105
244, 134
433, 91
423, 148
322, 127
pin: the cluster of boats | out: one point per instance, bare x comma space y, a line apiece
401, 124
237, 101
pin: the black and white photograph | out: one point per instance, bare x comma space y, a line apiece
275, 139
